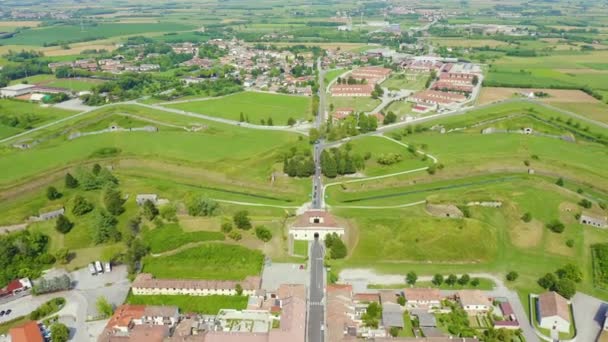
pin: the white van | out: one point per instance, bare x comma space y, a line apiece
107, 267
98, 267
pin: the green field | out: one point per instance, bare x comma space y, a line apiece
359, 104
172, 236
221, 261
378, 146
401, 108
300, 247
333, 74
404, 81
62, 33
19, 109
73, 84
255, 106
206, 305
238, 151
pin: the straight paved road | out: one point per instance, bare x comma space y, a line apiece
316, 301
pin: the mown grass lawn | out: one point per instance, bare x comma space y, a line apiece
358, 104
404, 81
255, 106
172, 236
209, 261
300, 247
207, 305
377, 147
73, 84
18, 109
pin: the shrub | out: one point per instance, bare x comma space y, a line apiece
241, 220
47, 308
81, 206
560, 181
63, 225
585, 203
226, 227
201, 206
235, 235
512, 276
570, 243
263, 233
70, 181
556, 226
527, 217
437, 279
52, 193
389, 158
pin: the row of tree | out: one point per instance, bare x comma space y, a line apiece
341, 161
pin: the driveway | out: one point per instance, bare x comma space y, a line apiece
589, 313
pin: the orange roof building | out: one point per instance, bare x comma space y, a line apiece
28, 332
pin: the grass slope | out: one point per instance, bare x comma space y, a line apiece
172, 236
221, 261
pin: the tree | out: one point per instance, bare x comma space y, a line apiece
475, 80
401, 300
241, 117
52, 193
113, 201
389, 118
464, 279
512, 276
451, 279
202, 206
63, 225
437, 279
475, 282
547, 281
263, 233
239, 289
149, 210
570, 271
291, 121
556, 226
70, 181
338, 249
59, 332
313, 135
566, 288
81, 206
241, 220
103, 307
105, 224
560, 181
527, 217
394, 331
226, 227
169, 212
269, 122
411, 278
372, 315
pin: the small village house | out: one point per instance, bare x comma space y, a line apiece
553, 312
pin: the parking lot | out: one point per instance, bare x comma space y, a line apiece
276, 274
80, 301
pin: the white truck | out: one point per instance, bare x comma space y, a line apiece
98, 267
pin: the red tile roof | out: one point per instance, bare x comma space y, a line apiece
28, 332
147, 281
552, 304
315, 219
422, 295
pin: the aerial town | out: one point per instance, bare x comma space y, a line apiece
305, 172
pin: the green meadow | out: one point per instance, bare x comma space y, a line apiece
222, 261
254, 106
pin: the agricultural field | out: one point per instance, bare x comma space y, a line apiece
222, 261
253, 106
74, 33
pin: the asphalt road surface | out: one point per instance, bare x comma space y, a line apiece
316, 302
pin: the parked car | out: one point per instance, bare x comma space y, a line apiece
1, 313
98, 267
92, 269
8, 312
107, 267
